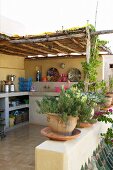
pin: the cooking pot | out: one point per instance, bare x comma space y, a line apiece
11, 87
6, 88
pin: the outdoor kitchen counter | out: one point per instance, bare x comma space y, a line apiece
3, 94
43, 93
34, 116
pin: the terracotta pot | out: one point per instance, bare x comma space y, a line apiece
108, 101
110, 95
58, 125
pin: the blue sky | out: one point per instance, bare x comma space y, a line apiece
50, 15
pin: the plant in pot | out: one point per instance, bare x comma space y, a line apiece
108, 99
100, 100
62, 111
88, 102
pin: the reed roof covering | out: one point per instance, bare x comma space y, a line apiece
64, 43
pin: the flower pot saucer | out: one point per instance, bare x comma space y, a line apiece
55, 136
85, 124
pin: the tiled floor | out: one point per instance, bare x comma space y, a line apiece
17, 149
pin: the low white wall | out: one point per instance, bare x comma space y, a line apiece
69, 155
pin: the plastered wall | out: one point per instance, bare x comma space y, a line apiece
45, 64
11, 65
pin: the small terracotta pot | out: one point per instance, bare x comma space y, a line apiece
59, 126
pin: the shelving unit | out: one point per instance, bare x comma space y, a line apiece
13, 103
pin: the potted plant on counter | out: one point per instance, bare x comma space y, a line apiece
62, 111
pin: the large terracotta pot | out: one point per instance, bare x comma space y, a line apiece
59, 126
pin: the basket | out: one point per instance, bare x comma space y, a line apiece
25, 84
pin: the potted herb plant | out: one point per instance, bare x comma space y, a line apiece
62, 111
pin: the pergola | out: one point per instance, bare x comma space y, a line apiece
71, 43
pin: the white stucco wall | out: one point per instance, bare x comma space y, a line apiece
107, 71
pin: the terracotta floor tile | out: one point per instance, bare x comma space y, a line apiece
17, 149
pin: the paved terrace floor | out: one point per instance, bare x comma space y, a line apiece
17, 149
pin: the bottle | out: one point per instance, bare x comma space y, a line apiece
38, 75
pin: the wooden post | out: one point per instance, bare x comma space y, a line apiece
88, 46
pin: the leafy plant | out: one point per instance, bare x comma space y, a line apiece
68, 103
90, 69
86, 107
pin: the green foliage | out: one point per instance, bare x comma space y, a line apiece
86, 107
108, 136
90, 69
48, 105
67, 103
103, 87
80, 85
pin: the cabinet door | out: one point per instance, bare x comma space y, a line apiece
34, 116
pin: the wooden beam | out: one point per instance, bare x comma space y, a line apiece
56, 57
64, 46
37, 49
53, 48
18, 49
88, 47
12, 52
76, 42
102, 32
46, 39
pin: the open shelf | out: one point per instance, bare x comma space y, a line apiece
18, 107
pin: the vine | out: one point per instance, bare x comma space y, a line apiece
90, 69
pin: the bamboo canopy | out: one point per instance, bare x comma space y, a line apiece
66, 43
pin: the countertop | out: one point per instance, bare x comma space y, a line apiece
35, 94
3, 94
43, 93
